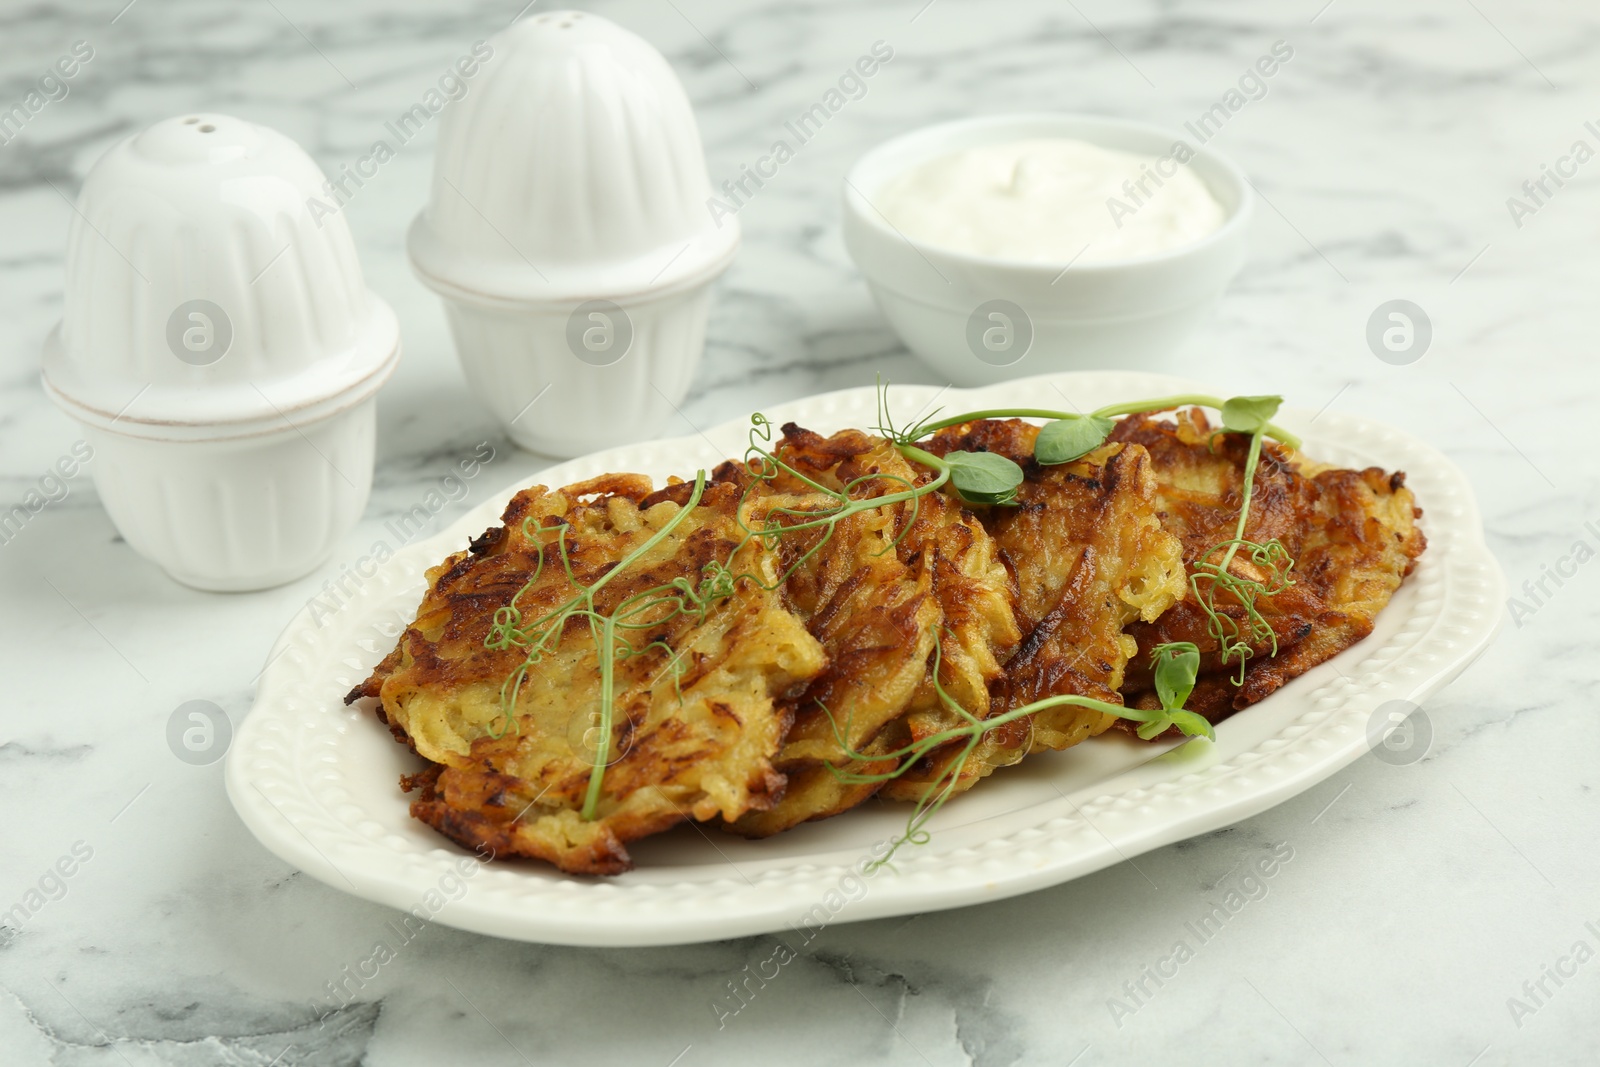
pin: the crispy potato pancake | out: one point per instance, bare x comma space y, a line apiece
1352, 534
876, 592
1088, 556
700, 708
767, 651
978, 597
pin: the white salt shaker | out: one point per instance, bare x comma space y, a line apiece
570, 236
222, 350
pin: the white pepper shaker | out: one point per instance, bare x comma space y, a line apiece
222, 350
570, 234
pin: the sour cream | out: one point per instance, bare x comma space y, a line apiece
1053, 200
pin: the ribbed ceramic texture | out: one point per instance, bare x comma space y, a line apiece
208, 207
240, 514
577, 141
315, 781
550, 401
572, 171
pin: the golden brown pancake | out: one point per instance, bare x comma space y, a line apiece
783, 656
699, 695
1352, 535
885, 584
1088, 556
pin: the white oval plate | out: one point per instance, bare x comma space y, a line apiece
317, 781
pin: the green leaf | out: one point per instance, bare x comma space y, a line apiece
983, 477
1065, 440
1153, 728
994, 500
1247, 414
1188, 723
1008, 498
1176, 666
1193, 725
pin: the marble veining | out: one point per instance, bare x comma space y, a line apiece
1428, 910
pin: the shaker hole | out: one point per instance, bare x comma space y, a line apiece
190, 121
208, 128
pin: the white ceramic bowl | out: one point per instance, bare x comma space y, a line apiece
1131, 313
569, 233
222, 350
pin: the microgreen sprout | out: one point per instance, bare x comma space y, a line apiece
1176, 664
1210, 575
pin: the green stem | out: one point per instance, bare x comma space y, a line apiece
1244, 504
555, 621
983, 726
978, 727
943, 787
602, 749
1191, 400
927, 459
654, 539
606, 642
1159, 404
853, 507
925, 429
1109, 411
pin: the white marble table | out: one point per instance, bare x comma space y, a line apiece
1420, 899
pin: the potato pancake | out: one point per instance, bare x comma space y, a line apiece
1088, 556
876, 591
699, 695
764, 653
1352, 535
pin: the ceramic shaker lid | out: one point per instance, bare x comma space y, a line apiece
573, 169
202, 289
